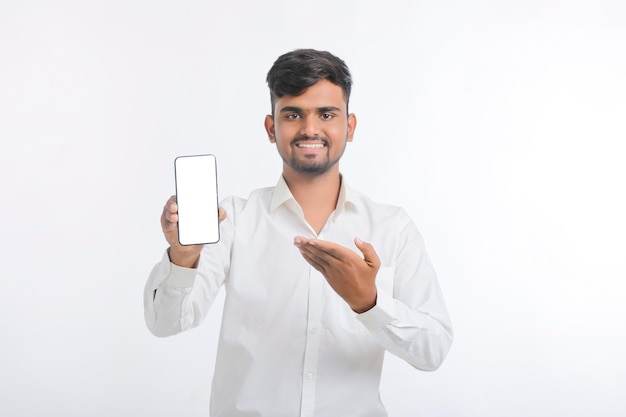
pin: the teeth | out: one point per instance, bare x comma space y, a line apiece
310, 145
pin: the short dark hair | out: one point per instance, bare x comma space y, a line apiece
295, 71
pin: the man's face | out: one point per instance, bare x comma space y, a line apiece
311, 130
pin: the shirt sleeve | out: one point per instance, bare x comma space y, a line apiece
176, 298
410, 318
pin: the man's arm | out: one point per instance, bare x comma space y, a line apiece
182, 287
409, 318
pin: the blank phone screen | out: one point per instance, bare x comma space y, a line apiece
196, 196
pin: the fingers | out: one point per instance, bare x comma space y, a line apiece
311, 253
170, 213
369, 254
169, 217
322, 254
315, 262
321, 248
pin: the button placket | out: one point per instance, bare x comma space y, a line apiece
311, 349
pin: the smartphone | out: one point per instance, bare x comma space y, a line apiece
196, 196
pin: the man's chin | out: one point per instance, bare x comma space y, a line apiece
315, 170
311, 169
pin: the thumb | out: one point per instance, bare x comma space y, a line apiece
369, 254
221, 214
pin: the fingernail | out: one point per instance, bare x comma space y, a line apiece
359, 241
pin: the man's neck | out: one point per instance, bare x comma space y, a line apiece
316, 194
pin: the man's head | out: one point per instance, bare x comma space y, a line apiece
310, 123
295, 71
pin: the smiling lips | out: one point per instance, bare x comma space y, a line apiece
310, 145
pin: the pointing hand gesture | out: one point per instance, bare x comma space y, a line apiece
351, 276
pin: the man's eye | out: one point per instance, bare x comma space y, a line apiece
292, 116
327, 116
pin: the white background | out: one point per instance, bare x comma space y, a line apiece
499, 126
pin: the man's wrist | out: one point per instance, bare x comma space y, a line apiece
183, 257
364, 307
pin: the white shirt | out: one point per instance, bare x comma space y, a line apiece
289, 345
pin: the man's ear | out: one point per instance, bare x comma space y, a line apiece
270, 128
351, 126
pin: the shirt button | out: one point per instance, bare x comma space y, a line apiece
313, 330
309, 375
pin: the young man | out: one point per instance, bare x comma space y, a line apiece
319, 279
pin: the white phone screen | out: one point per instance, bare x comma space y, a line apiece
196, 196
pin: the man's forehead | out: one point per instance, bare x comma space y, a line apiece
322, 94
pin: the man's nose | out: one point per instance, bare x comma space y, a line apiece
310, 126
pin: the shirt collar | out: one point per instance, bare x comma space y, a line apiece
282, 194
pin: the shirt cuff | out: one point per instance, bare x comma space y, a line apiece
181, 277
383, 313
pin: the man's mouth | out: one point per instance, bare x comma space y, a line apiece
310, 145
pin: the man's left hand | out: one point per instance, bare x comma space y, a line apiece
351, 276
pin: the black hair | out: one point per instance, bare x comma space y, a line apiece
295, 71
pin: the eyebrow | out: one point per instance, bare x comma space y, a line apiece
325, 109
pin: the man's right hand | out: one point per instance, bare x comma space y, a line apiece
185, 256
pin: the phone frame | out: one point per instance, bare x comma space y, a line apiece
214, 227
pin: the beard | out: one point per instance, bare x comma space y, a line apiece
317, 165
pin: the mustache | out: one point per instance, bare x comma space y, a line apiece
306, 138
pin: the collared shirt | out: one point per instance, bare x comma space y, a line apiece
289, 345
